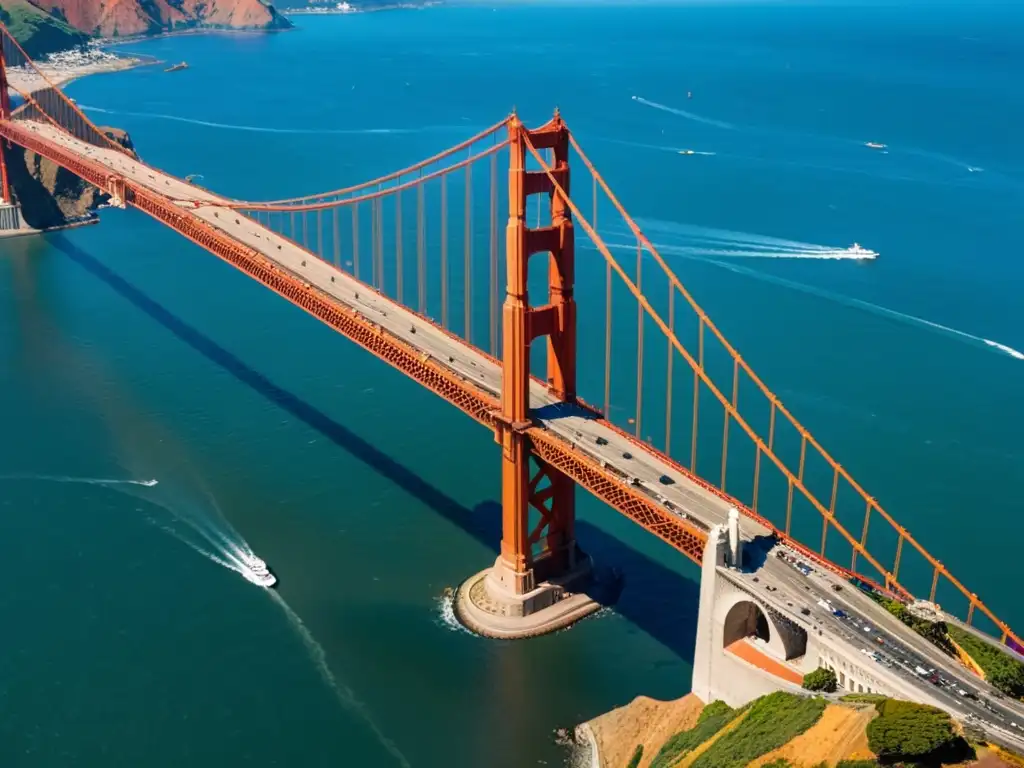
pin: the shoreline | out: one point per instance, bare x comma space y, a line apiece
353, 11
60, 73
108, 42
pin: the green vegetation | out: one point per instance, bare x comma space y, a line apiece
904, 731
780, 763
1001, 669
821, 679
856, 764
934, 631
773, 720
36, 31
638, 754
712, 719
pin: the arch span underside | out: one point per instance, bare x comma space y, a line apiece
651, 361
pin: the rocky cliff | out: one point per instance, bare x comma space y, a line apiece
49, 195
120, 18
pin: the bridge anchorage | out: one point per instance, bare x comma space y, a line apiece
542, 581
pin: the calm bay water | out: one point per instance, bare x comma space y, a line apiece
130, 355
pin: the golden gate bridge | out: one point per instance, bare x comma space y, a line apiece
634, 395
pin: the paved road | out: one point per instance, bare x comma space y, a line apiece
866, 626
645, 471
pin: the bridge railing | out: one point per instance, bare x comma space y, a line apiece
42, 100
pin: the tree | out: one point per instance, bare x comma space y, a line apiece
907, 731
638, 753
821, 679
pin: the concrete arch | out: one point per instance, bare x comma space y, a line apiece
745, 619
740, 616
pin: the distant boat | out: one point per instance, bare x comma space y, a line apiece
858, 251
258, 573
686, 152
178, 66
874, 145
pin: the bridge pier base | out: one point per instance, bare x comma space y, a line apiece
489, 604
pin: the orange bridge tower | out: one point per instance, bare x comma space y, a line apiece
541, 581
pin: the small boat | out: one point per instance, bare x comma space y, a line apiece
259, 573
179, 66
858, 251
687, 152
874, 145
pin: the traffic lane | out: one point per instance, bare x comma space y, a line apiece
796, 588
851, 629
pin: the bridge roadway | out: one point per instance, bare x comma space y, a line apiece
643, 472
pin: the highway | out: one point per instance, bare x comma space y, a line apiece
865, 626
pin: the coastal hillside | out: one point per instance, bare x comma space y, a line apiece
784, 730
38, 32
121, 18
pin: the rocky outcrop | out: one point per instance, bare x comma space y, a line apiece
49, 195
121, 18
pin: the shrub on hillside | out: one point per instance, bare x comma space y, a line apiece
904, 731
821, 679
1001, 669
934, 631
856, 764
638, 754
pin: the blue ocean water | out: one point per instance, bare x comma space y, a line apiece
132, 356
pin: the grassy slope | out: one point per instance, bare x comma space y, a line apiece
36, 31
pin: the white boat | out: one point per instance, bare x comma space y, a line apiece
860, 252
259, 573
874, 145
686, 152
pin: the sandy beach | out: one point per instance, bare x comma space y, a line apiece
66, 66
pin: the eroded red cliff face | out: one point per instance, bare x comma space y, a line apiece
118, 18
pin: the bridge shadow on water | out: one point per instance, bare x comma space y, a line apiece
656, 599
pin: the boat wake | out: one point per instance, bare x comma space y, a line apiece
683, 113
761, 245
83, 480
237, 556
707, 241
346, 697
266, 129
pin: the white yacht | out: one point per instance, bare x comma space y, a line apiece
258, 573
874, 145
858, 251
